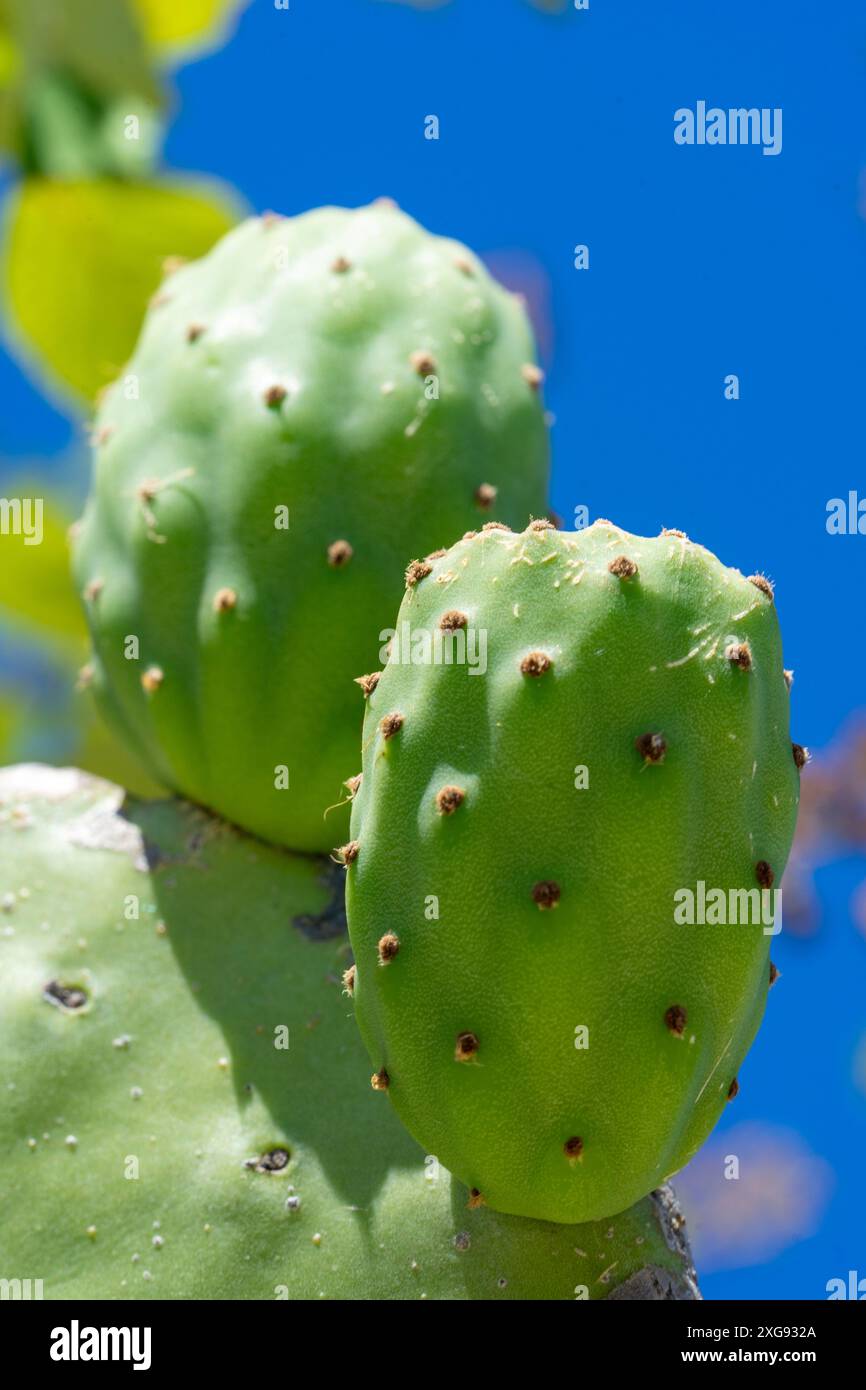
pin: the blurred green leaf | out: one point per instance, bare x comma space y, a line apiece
82, 260
187, 27
9, 115
9, 121
36, 590
100, 42
59, 120
69, 134
10, 61
130, 137
10, 716
64, 66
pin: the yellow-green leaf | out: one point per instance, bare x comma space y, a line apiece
10, 64
189, 27
10, 59
83, 259
36, 590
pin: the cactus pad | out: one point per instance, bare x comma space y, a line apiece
537, 802
313, 400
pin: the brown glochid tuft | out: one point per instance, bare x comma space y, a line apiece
475, 1200
774, 974
224, 600
339, 554
764, 874
546, 895
739, 654
349, 979
448, 799
652, 747
347, 854
485, 495
341, 265
573, 1148
274, 396
380, 1080
389, 945
761, 582
622, 567
676, 1018
465, 1047
194, 332
152, 678
391, 725
368, 683
801, 755
424, 363
452, 621
535, 664
418, 570
733, 1089
532, 374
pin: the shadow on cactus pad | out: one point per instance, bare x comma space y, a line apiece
187, 1111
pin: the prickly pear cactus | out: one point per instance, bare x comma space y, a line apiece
314, 399
178, 1062
572, 733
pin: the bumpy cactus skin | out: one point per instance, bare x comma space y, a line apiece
146, 1106
501, 902
313, 400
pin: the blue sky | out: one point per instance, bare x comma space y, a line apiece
704, 261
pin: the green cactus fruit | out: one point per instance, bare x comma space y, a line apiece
570, 729
314, 399
158, 1139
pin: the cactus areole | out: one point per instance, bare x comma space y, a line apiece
570, 847
314, 400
